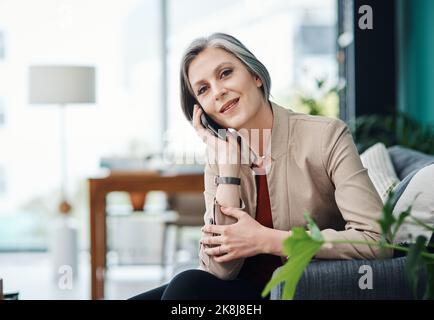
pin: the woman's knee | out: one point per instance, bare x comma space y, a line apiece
192, 277
188, 284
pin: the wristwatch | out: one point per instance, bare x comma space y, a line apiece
226, 180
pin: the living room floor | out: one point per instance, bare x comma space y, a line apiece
31, 275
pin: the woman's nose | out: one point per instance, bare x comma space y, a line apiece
219, 91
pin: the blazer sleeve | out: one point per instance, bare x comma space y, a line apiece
355, 196
226, 270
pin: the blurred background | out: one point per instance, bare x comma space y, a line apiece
89, 90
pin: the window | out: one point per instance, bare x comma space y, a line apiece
2, 181
2, 112
317, 39
288, 37
2, 45
120, 39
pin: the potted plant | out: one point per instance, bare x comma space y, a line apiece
302, 246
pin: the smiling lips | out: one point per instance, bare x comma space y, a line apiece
229, 105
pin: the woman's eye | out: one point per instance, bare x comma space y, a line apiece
226, 72
201, 90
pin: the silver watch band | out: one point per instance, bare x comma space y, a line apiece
227, 180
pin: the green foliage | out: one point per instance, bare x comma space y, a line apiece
315, 233
415, 262
387, 219
301, 247
322, 99
394, 129
388, 223
429, 293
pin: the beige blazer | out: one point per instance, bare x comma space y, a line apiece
315, 166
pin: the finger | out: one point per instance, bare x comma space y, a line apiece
203, 133
208, 234
197, 124
215, 251
211, 228
225, 257
233, 212
212, 240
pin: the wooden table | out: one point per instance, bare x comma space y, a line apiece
138, 184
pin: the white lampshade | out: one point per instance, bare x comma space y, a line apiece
61, 84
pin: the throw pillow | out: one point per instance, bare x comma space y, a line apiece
400, 188
380, 169
407, 160
420, 193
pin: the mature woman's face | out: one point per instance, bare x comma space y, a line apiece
224, 87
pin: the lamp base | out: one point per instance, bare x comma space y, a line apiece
64, 251
64, 207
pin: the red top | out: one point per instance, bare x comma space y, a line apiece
259, 268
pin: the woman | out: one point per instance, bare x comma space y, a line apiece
306, 163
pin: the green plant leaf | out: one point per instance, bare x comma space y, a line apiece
423, 224
387, 219
320, 83
415, 262
300, 247
402, 216
315, 233
429, 292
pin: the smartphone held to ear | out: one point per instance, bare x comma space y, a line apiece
219, 131
213, 126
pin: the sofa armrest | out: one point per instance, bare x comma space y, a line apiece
339, 280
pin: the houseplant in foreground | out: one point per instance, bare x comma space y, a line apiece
302, 246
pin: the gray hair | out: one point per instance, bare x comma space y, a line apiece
230, 45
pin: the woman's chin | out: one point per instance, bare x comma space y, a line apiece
235, 126
236, 123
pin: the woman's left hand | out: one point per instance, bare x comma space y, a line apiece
239, 240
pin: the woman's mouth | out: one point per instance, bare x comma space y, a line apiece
231, 107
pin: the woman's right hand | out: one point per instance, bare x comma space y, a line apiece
226, 153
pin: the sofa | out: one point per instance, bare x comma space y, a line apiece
398, 169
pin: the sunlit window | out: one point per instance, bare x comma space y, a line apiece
120, 40
294, 39
2, 181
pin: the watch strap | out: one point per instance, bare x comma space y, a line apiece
227, 180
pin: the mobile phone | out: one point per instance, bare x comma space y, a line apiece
216, 129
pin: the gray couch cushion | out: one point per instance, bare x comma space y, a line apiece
407, 160
339, 279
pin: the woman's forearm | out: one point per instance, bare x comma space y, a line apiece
273, 241
228, 195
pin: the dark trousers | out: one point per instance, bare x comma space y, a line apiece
201, 285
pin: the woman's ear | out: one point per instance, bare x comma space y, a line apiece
258, 81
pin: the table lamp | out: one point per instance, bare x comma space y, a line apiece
62, 85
